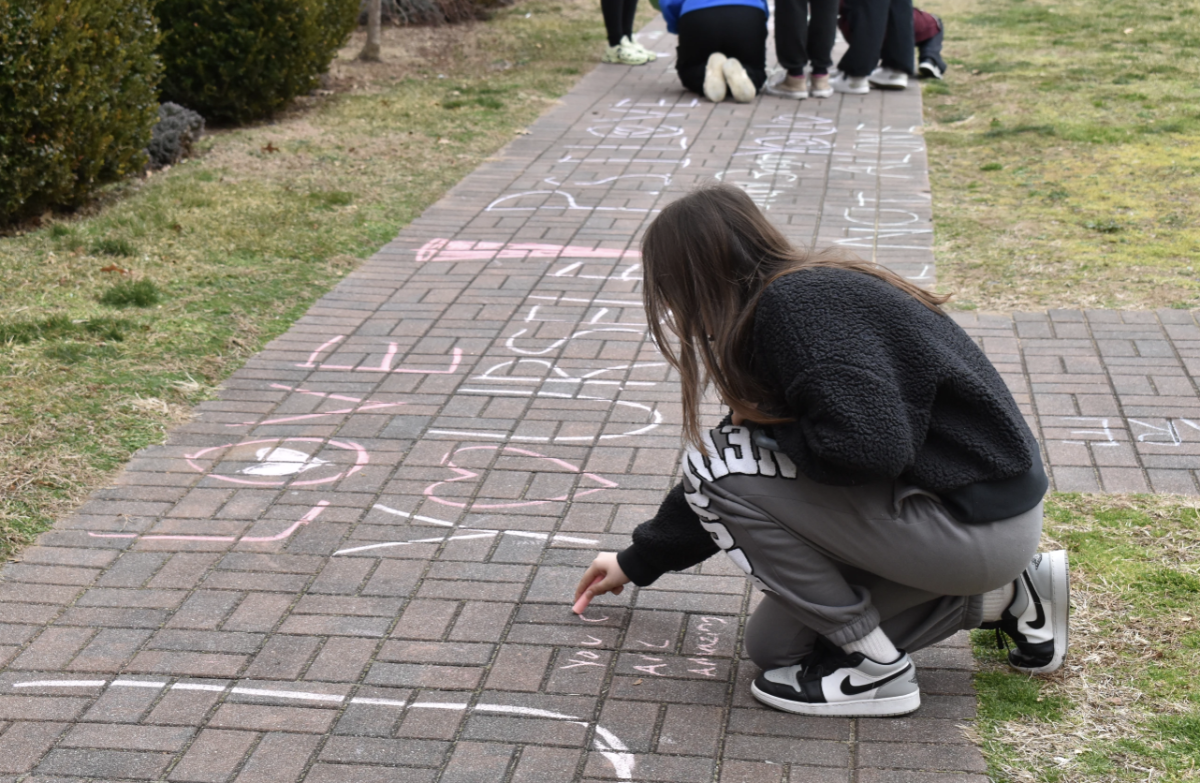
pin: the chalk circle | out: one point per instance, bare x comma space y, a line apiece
604, 741
466, 475
269, 457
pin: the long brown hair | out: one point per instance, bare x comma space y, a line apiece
707, 258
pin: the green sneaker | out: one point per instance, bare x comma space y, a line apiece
624, 54
650, 56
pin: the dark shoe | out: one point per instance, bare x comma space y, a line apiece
928, 70
1036, 620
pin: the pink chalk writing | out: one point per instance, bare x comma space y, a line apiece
287, 419
465, 475
385, 364
459, 250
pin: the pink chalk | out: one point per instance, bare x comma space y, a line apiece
582, 604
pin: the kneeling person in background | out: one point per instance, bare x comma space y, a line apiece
722, 46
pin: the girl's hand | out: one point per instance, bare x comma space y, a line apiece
604, 575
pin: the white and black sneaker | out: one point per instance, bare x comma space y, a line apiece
928, 69
834, 682
1036, 620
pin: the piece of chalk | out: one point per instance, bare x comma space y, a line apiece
582, 604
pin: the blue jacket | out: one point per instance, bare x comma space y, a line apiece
673, 9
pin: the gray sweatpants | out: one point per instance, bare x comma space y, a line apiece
840, 561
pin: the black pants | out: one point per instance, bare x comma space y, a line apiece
618, 19
881, 33
738, 31
799, 41
931, 50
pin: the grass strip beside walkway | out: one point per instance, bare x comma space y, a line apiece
1064, 149
1126, 704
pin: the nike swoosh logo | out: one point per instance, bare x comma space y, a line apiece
854, 690
1040, 620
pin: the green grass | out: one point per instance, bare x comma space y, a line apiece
1086, 118
1126, 704
210, 260
131, 293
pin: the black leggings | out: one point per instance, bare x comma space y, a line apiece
618, 19
738, 31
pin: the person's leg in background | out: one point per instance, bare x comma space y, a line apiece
791, 48
867, 22
929, 51
619, 49
822, 33
898, 44
628, 15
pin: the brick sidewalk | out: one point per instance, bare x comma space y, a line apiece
357, 563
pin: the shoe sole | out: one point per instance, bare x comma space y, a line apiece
875, 708
821, 93
740, 87
886, 86
773, 89
1060, 599
715, 86
928, 73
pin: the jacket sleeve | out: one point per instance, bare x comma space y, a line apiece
672, 541
861, 413
671, 11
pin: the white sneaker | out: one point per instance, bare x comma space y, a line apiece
624, 54
1036, 620
851, 85
650, 56
888, 78
714, 78
929, 70
832, 682
740, 86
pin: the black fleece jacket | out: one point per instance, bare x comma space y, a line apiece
880, 388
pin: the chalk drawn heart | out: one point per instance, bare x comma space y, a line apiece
466, 475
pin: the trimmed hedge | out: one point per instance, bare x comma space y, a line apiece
77, 99
235, 61
177, 130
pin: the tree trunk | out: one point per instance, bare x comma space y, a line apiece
371, 51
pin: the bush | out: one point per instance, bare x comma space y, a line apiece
177, 129
77, 99
242, 60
